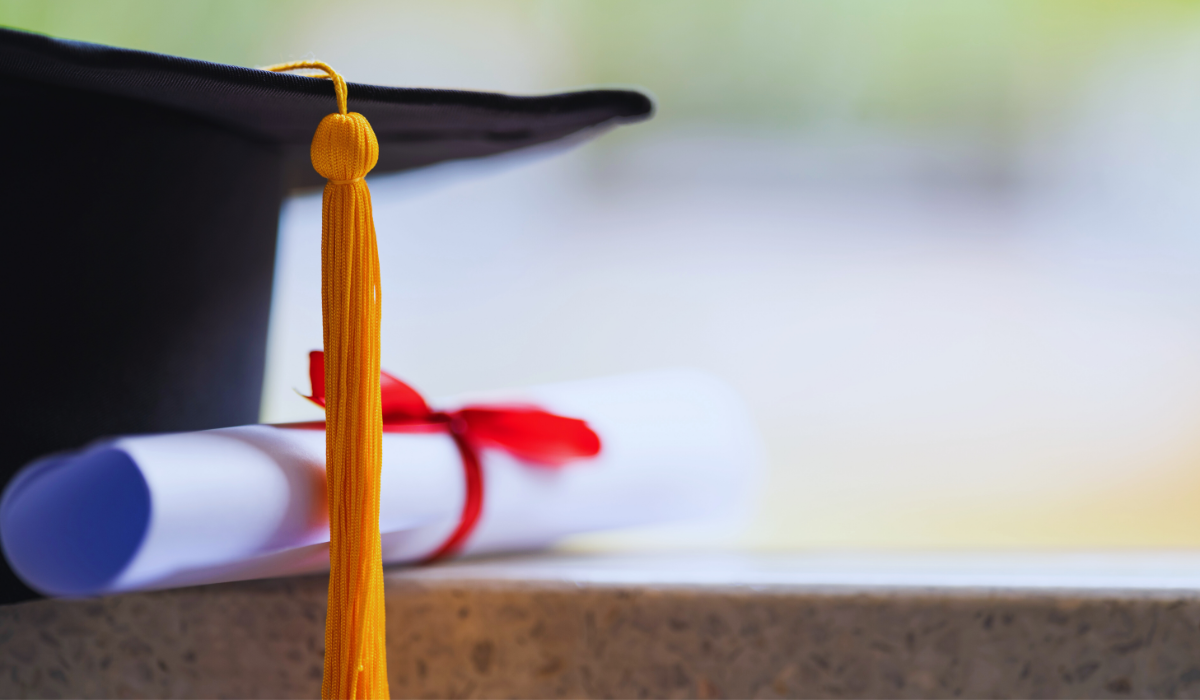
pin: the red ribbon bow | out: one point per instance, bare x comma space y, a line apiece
528, 433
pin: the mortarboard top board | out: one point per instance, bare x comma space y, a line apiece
139, 203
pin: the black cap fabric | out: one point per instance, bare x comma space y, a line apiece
139, 203
415, 126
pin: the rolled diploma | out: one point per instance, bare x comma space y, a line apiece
249, 502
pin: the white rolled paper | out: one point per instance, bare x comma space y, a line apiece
249, 502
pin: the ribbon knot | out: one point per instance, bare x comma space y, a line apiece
536, 437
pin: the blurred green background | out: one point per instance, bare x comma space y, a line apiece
978, 67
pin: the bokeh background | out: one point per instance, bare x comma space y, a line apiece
947, 250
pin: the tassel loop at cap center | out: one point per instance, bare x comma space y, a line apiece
339, 83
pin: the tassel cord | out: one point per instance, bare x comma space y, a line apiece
344, 150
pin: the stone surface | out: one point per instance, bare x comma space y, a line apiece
572, 626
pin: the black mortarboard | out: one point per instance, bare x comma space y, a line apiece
140, 197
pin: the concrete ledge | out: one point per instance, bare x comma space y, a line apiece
573, 626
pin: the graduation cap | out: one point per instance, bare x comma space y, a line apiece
140, 197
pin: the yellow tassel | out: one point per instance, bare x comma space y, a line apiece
344, 150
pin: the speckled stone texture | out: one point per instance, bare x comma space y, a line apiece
505, 637
671, 643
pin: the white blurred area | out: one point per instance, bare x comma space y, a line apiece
945, 342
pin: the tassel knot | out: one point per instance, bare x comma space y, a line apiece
344, 148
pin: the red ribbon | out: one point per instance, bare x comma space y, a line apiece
530, 434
